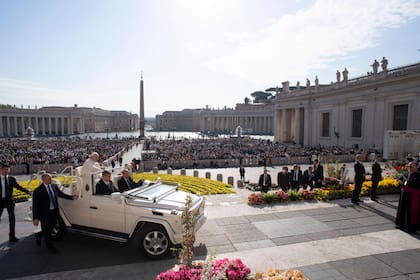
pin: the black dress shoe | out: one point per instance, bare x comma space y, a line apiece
53, 250
13, 239
374, 199
360, 200
355, 202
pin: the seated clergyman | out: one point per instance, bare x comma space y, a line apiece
105, 185
125, 183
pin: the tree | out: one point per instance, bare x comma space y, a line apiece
247, 100
262, 96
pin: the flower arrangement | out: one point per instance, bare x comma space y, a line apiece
276, 274
307, 194
20, 196
209, 269
189, 184
401, 168
386, 185
330, 183
258, 198
255, 198
327, 194
281, 195
179, 273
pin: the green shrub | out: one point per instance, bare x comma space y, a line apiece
269, 198
294, 195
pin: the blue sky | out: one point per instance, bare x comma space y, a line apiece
193, 52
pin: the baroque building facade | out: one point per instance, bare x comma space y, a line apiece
55, 120
354, 112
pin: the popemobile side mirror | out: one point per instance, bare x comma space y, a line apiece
116, 196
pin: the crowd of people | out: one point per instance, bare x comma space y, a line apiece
233, 148
62, 150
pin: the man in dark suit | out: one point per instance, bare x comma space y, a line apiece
318, 173
295, 177
45, 209
359, 178
125, 183
308, 177
105, 185
6, 198
242, 172
283, 178
376, 177
264, 181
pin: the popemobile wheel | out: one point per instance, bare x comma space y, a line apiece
154, 242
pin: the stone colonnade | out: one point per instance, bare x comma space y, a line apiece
16, 125
291, 125
252, 124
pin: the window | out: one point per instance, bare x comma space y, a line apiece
325, 125
356, 128
400, 117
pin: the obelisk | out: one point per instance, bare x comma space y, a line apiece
142, 122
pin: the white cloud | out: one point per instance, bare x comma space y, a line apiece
312, 38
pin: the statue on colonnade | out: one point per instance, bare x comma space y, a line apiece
375, 66
384, 64
345, 75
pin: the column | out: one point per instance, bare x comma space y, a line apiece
82, 125
283, 125
36, 126
266, 125
297, 126
9, 125
22, 125
306, 127
62, 126
50, 125
43, 125
56, 125
71, 125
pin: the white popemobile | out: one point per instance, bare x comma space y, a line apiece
149, 215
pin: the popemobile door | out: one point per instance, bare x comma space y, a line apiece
76, 211
107, 214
